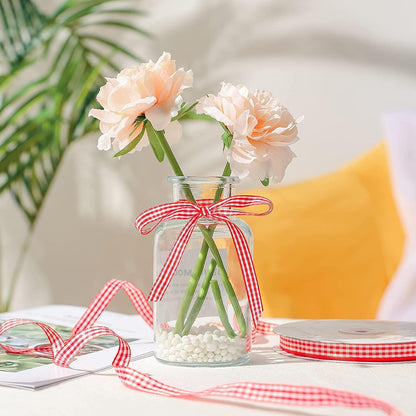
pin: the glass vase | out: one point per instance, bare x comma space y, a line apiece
204, 317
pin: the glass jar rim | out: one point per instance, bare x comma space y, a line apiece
201, 180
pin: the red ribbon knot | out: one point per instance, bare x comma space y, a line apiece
221, 212
205, 212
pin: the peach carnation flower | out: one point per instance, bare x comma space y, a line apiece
261, 127
150, 89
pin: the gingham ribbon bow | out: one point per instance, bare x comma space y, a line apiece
219, 212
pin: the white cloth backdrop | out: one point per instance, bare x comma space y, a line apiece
339, 63
399, 300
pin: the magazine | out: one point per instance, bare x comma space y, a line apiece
31, 372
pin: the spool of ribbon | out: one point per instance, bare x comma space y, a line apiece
349, 340
350, 352
220, 212
63, 352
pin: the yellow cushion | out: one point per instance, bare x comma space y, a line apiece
331, 244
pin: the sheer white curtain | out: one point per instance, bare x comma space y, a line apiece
399, 300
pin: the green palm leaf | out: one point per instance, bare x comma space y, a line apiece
41, 117
67, 88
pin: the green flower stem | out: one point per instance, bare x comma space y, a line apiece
203, 291
221, 310
190, 289
226, 282
207, 233
172, 160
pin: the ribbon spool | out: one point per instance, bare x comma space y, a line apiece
349, 340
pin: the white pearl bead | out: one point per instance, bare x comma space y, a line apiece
211, 346
203, 344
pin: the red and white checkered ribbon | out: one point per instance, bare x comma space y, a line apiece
219, 212
349, 352
63, 352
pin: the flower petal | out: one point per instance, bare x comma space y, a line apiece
138, 107
159, 115
104, 142
104, 115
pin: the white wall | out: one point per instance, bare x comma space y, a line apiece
339, 63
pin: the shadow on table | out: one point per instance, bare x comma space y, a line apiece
270, 355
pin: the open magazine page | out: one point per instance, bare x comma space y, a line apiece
35, 372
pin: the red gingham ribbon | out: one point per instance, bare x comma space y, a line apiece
63, 352
51, 349
104, 297
220, 211
349, 352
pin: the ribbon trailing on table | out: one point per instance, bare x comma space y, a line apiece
220, 212
62, 353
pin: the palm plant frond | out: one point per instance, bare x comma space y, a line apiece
41, 116
49, 112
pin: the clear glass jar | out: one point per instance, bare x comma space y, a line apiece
204, 317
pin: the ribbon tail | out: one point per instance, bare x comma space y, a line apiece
248, 271
172, 262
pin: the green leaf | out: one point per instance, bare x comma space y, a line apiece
14, 155
70, 68
130, 12
155, 143
12, 53
6, 79
85, 90
24, 106
113, 45
65, 49
191, 115
20, 168
15, 192
133, 143
16, 24
18, 21
184, 110
85, 11
26, 128
22, 91
119, 24
100, 56
227, 138
33, 18
265, 181
140, 118
72, 5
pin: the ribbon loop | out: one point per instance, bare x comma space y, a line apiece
221, 212
55, 340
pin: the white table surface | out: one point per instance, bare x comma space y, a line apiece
104, 394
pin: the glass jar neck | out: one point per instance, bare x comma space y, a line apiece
202, 187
